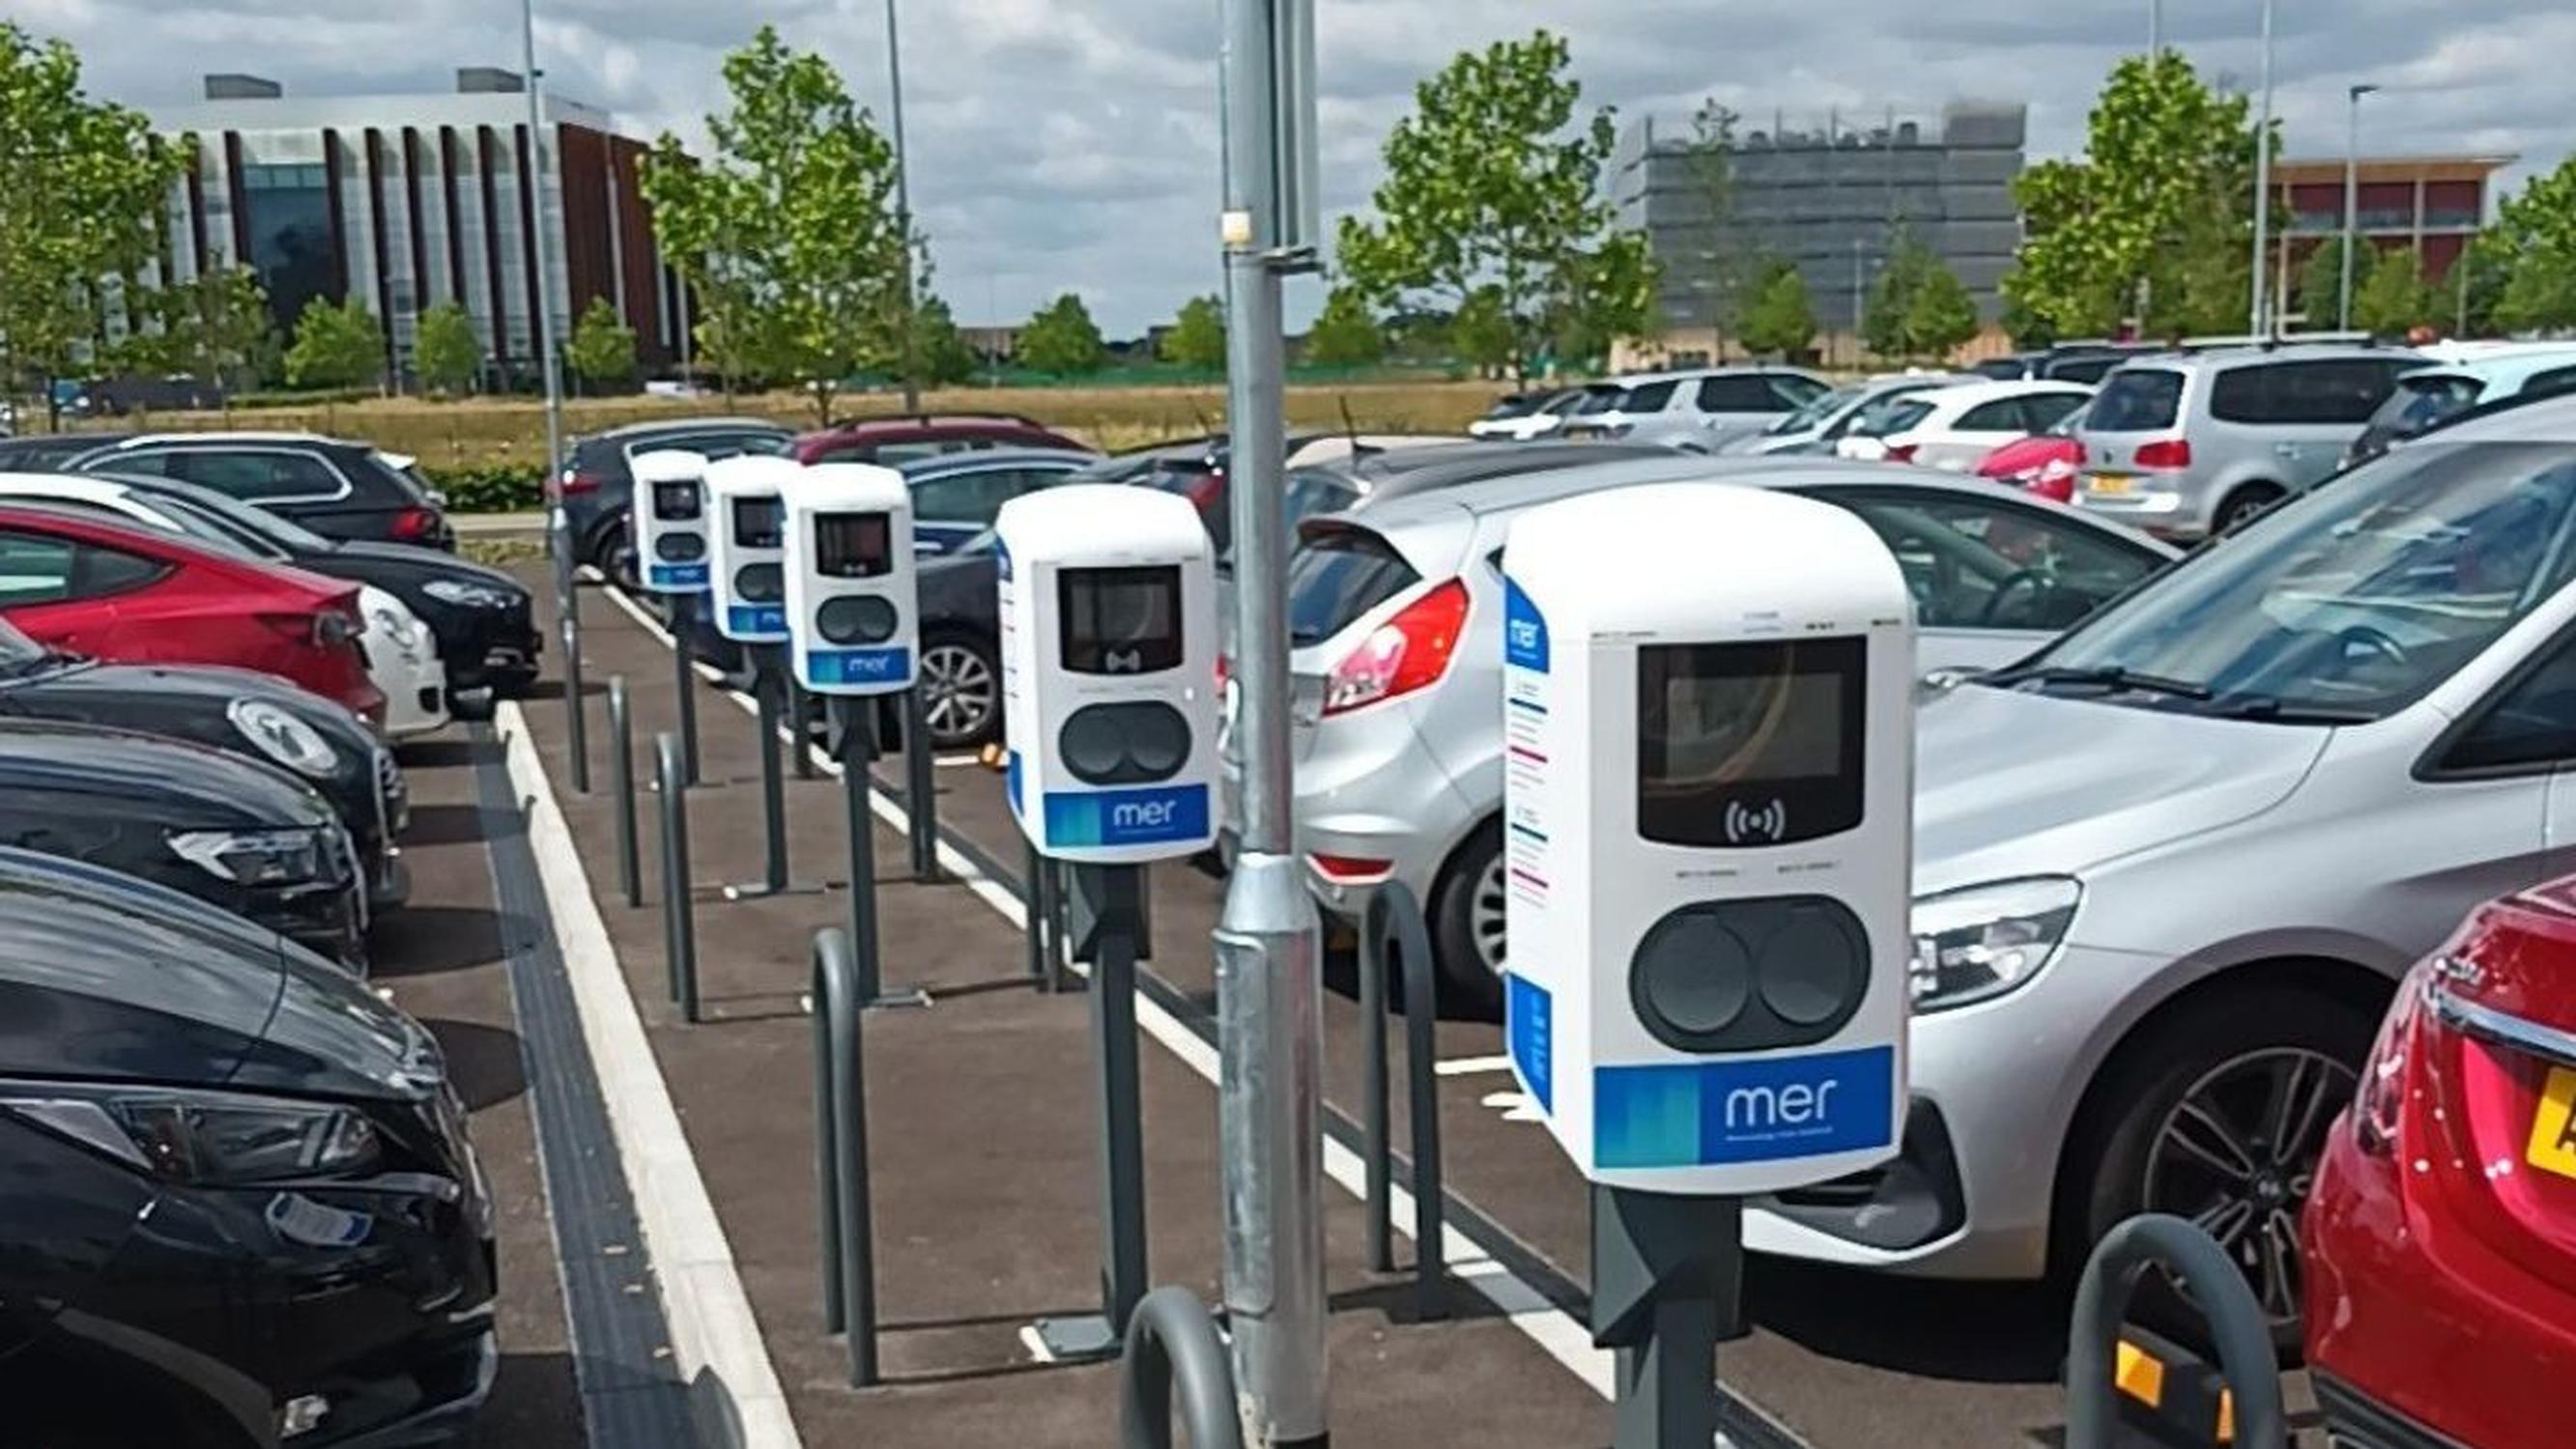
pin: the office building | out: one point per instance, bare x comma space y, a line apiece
1833, 199
2434, 204
408, 201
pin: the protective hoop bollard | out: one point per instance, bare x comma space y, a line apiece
684, 680
679, 911
576, 714
1172, 1342
1394, 917
841, 1155
2193, 1257
621, 779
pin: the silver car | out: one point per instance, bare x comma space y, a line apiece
1816, 427
1395, 620
2169, 869
1695, 410
2189, 444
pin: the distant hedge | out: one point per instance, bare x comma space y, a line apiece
489, 487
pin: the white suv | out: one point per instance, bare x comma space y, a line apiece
1694, 411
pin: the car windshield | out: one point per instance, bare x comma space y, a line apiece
1815, 410
1889, 416
1598, 400
283, 532
2425, 399
2346, 605
216, 531
19, 654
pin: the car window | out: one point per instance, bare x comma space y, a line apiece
1598, 400
1738, 393
1817, 409
2137, 400
2322, 393
2532, 722
34, 569
1795, 391
2420, 402
1650, 397
1971, 563
1336, 574
894, 455
98, 571
2002, 369
2549, 384
712, 446
2042, 411
156, 465
2003, 415
972, 497
1888, 417
256, 476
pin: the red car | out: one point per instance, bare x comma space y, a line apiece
2043, 463
924, 435
87, 586
2441, 1231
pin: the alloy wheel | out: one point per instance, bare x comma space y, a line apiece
959, 694
2237, 1156
1485, 917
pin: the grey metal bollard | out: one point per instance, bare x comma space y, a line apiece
1033, 917
1377, 1209
684, 677
679, 909
800, 724
1395, 918
841, 1155
920, 787
621, 780
2236, 1322
576, 711
1172, 1343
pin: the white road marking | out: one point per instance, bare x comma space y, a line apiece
1471, 1066
712, 1328
1515, 1106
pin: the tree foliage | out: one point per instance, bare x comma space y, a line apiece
1492, 210
214, 326
1197, 338
1887, 319
2155, 220
944, 358
1728, 274
444, 350
2319, 286
601, 350
2392, 297
1942, 317
788, 227
1780, 318
1062, 339
337, 344
81, 186
2532, 249
1346, 333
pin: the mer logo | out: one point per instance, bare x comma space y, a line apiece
760, 619
1710, 1113
889, 667
677, 578
1524, 630
1158, 815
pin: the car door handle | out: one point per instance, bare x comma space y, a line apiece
2286, 450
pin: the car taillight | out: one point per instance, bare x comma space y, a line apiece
2055, 480
576, 481
414, 524
1202, 490
1224, 673
1403, 654
1901, 452
2164, 453
1351, 870
2378, 1105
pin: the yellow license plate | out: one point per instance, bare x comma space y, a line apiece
2108, 483
2553, 1127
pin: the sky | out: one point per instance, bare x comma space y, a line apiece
1071, 145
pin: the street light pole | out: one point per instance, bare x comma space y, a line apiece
543, 250
903, 215
2263, 189
2351, 197
2155, 28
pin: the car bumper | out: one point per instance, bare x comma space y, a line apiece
426, 1401
415, 693
499, 651
2164, 512
1366, 789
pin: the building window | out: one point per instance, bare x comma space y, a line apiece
290, 237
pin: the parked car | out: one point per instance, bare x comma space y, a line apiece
246, 836
1816, 427
2043, 463
402, 659
258, 717
1954, 428
1520, 417
2441, 1235
914, 437
50, 452
242, 1205
2090, 362
336, 488
2168, 869
1695, 410
2011, 367
89, 586
1395, 620
595, 483
954, 496
2432, 396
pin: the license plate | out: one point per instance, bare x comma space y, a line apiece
2108, 484
2553, 1127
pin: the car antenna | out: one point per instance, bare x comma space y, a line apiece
1351, 430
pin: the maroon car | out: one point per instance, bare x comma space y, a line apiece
911, 436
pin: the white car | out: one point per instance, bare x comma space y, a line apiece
402, 656
1527, 418
1954, 428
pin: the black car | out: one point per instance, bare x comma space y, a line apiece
248, 837
241, 712
51, 452
334, 487
483, 619
241, 1204
596, 482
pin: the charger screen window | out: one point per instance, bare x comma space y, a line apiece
675, 502
853, 545
755, 523
1750, 745
1120, 620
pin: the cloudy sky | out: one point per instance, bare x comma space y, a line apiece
1071, 144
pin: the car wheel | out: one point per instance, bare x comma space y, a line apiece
2244, 506
961, 687
1467, 921
613, 554
2217, 1116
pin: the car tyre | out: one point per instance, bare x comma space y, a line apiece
2245, 505
1466, 909
961, 691
613, 554
2218, 1074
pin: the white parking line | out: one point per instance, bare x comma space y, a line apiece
1471, 1066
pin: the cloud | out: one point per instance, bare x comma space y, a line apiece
1072, 144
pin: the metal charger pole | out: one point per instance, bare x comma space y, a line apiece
684, 677
1269, 982
1107, 926
855, 749
920, 790
769, 682
1667, 1288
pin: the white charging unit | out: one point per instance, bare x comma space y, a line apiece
667, 519
849, 573
746, 553
1108, 619
1708, 824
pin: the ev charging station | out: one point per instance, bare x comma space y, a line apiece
667, 522
855, 630
746, 569
1708, 809
1108, 618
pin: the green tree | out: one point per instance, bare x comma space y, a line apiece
1780, 319
944, 358
1062, 339
214, 326
1942, 317
2154, 221
1492, 197
1480, 333
601, 350
1345, 334
1887, 323
787, 225
2392, 297
2319, 285
1724, 272
81, 187
2532, 248
445, 351
2025, 327
1197, 338
336, 345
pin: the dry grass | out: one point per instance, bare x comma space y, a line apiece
479, 431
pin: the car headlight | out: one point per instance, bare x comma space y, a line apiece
284, 738
206, 1137
1981, 942
466, 594
252, 857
